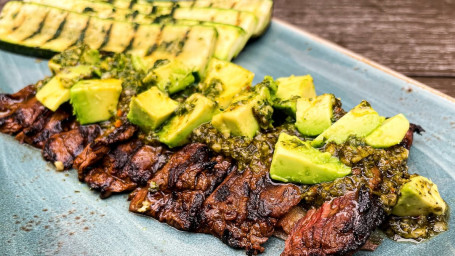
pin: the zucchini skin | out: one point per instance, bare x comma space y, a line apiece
27, 51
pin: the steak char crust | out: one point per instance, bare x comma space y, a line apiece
245, 208
339, 227
97, 149
66, 146
177, 192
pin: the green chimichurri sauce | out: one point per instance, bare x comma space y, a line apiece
384, 171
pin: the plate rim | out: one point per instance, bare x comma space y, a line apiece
350, 54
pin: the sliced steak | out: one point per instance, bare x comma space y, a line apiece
409, 137
111, 174
23, 116
10, 102
245, 208
176, 194
146, 162
49, 124
288, 221
97, 149
339, 227
64, 147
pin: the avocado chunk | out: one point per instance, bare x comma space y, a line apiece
238, 121
224, 81
249, 112
314, 115
170, 76
151, 108
95, 100
390, 133
297, 161
195, 111
57, 91
420, 196
290, 89
358, 122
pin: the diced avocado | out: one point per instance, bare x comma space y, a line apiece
57, 91
170, 76
151, 108
358, 122
195, 111
53, 94
95, 100
420, 196
225, 80
238, 121
250, 111
314, 115
292, 88
297, 161
390, 133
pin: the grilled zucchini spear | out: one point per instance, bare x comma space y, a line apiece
232, 38
42, 31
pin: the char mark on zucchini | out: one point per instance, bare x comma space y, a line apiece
339, 227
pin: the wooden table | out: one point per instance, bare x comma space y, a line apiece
413, 37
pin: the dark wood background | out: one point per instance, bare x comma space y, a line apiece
414, 37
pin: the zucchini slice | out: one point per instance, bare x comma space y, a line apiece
231, 41
31, 28
262, 9
246, 20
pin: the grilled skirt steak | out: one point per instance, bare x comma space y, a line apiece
22, 116
194, 189
176, 193
10, 102
64, 147
245, 208
46, 126
339, 227
97, 149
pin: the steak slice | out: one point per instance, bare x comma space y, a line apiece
176, 194
46, 126
10, 102
111, 174
23, 116
124, 167
97, 149
146, 162
65, 146
409, 137
339, 227
245, 208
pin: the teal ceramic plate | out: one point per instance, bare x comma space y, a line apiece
44, 212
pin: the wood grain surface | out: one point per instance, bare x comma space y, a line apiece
414, 37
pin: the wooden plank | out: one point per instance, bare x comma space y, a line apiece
414, 37
443, 84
